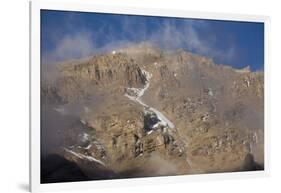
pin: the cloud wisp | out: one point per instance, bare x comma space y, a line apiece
167, 33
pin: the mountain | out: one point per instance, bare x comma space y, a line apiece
142, 111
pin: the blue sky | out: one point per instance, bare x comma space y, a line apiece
68, 35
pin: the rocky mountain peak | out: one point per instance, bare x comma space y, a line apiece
144, 111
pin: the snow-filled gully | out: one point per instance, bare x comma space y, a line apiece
139, 92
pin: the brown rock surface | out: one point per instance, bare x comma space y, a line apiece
217, 112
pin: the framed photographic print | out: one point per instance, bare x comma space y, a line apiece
121, 95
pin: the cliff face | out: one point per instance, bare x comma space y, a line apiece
143, 111
108, 73
116, 69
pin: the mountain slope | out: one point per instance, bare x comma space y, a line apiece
144, 111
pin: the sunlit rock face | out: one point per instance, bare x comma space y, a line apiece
142, 111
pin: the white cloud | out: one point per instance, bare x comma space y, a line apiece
168, 35
69, 47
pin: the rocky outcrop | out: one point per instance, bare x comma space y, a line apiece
104, 73
107, 69
120, 143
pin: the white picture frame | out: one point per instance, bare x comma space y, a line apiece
36, 6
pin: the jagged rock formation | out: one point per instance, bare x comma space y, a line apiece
106, 72
143, 111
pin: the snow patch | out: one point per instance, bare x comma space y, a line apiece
210, 92
88, 147
82, 156
61, 110
84, 137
